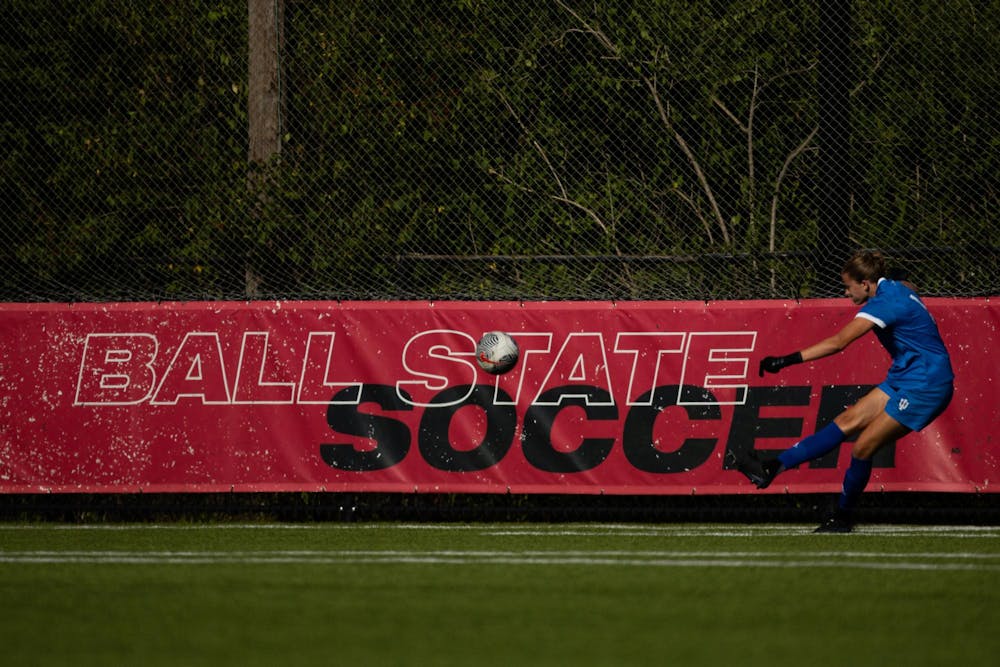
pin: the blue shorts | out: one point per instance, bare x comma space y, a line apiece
916, 408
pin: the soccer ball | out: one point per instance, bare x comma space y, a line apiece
496, 352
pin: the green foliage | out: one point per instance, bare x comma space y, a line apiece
474, 149
126, 127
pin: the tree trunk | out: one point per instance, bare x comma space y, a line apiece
266, 19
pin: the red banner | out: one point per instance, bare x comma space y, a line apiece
616, 398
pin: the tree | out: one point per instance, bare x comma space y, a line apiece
266, 21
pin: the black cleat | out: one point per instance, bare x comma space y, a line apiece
761, 473
839, 522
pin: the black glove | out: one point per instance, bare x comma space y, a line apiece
775, 364
897, 273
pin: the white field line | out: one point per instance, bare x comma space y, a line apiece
709, 530
114, 527
734, 532
759, 527
944, 561
557, 530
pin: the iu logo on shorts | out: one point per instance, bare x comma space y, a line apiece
903, 404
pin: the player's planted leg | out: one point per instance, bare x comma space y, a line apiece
855, 480
838, 522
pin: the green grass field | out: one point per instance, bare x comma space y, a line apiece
497, 594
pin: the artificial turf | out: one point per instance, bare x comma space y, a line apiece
497, 594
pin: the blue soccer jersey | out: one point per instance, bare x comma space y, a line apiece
910, 336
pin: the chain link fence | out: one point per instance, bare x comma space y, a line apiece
474, 149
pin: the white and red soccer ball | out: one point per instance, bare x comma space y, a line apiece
496, 352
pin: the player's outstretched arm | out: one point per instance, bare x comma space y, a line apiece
851, 332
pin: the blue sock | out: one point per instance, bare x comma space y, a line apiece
855, 480
816, 445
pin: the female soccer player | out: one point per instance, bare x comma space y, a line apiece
916, 390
